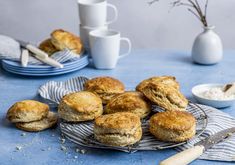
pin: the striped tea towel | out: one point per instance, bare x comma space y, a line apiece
10, 50
217, 120
53, 91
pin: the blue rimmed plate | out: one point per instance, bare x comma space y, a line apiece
45, 70
39, 71
45, 67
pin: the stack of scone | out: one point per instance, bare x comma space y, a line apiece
30, 115
175, 124
60, 40
116, 113
121, 125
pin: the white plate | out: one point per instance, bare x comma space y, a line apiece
197, 90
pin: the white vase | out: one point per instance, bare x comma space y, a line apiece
207, 48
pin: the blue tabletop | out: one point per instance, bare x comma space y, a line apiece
45, 147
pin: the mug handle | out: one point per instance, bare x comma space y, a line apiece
115, 14
129, 47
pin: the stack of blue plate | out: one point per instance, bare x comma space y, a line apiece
45, 70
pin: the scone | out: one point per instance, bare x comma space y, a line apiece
80, 106
166, 97
47, 122
62, 39
168, 80
48, 47
118, 129
133, 102
105, 87
173, 126
27, 111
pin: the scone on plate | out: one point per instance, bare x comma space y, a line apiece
133, 102
166, 97
27, 111
80, 106
118, 129
167, 80
34, 126
62, 39
173, 126
48, 47
105, 87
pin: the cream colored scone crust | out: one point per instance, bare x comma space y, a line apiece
166, 97
62, 39
118, 129
105, 87
48, 47
40, 125
167, 80
27, 111
80, 106
133, 102
173, 126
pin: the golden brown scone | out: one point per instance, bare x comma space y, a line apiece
168, 80
173, 126
40, 125
62, 39
133, 102
48, 47
80, 106
118, 129
165, 97
105, 87
27, 111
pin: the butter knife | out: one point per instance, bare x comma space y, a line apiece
24, 57
33, 49
189, 155
39, 54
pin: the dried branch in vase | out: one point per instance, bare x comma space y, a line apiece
193, 6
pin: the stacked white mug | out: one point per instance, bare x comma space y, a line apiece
103, 44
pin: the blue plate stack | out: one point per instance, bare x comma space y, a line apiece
45, 70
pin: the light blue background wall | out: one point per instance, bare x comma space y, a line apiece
147, 27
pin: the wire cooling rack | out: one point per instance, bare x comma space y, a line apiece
82, 133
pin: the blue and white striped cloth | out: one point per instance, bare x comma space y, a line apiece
10, 50
217, 120
60, 56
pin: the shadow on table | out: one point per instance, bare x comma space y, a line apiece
181, 57
5, 123
186, 58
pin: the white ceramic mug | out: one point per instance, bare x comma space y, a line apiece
84, 33
105, 48
93, 13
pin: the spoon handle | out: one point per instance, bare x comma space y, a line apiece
229, 89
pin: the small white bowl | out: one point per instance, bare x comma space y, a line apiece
197, 90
